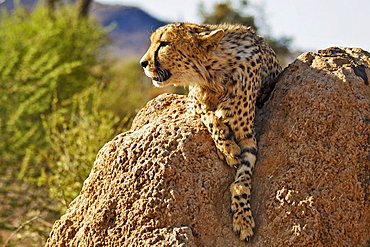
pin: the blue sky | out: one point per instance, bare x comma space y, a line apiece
313, 24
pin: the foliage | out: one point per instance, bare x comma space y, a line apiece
75, 136
224, 12
227, 12
51, 120
44, 62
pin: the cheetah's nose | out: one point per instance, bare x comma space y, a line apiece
144, 63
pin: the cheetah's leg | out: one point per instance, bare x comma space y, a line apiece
223, 137
239, 149
243, 222
242, 124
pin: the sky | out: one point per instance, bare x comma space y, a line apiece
313, 24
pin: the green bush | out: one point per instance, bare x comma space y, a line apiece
75, 138
44, 62
51, 77
52, 123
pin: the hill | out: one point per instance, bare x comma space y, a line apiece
132, 27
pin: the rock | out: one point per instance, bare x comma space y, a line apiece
162, 183
311, 185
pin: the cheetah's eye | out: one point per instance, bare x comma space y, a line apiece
163, 44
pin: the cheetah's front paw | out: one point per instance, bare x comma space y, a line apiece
231, 154
243, 225
243, 222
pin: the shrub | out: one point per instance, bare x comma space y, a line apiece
44, 62
51, 75
75, 138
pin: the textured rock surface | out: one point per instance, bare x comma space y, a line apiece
312, 180
162, 183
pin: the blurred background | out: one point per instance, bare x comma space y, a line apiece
70, 81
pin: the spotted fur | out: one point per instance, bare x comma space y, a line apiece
224, 66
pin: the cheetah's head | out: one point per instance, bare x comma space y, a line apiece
177, 53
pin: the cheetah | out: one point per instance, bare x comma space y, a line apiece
224, 67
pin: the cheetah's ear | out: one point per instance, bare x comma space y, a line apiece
212, 38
